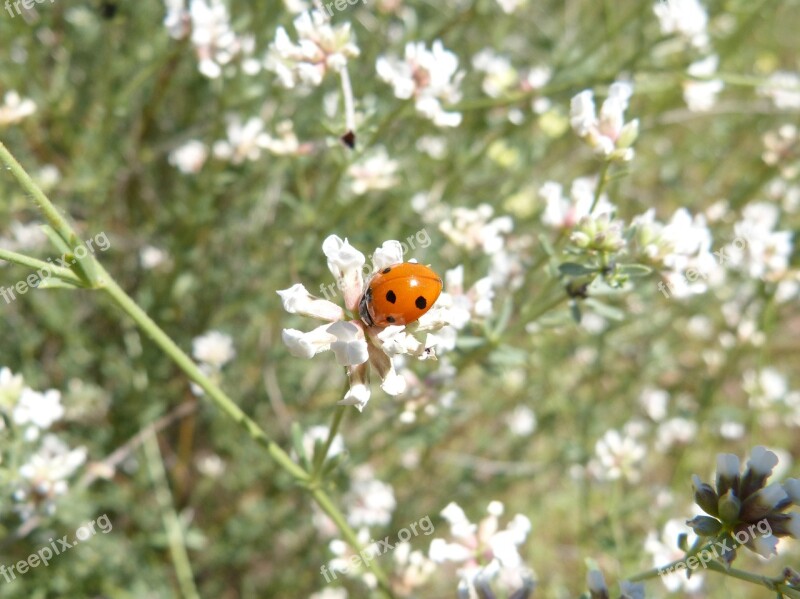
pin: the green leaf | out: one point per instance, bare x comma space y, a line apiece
634, 270
573, 269
605, 310
575, 311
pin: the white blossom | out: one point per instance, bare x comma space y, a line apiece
15, 108
374, 173
430, 77
320, 48
685, 18
190, 157
213, 348
608, 135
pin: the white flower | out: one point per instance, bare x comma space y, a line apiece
152, 257
483, 548
522, 421
686, 18
369, 501
190, 157
356, 345
473, 229
620, 457
49, 468
430, 77
213, 348
214, 41
245, 141
675, 431
782, 87
320, 48
177, 20
700, 94
766, 252
38, 409
664, 550
500, 76
654, 402
15, 108
609, 135
765, 387
374, 173
510, 6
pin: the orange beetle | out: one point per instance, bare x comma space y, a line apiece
399, 295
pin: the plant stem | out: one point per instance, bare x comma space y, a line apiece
337, 420
64, 274
103, 280
172, 523
601, 183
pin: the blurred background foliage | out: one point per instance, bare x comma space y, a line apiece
115, 95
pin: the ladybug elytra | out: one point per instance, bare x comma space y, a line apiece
399, 295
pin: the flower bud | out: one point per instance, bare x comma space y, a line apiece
729, 507
705, 526
704, 496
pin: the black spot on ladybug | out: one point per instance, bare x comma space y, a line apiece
386, 270
391, 297
421, 303
390, 319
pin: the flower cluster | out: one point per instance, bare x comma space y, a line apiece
46, 462
320, 49
15, 108
738, 502
608, 135
484, 551
357, 346
430, 77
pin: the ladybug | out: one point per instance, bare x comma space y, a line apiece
399, 295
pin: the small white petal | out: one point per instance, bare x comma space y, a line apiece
297, 300
350, 346
762, 461
393, 383
307, 345
390, 253
346, 264
357, 395
765, 546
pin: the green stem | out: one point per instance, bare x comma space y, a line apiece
601, 183
53, 216
65, 274
319, 461
772, 584
172, 523
350, 536
103, 280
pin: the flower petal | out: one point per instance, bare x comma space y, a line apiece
391, 252
350, 346
307, 345
346, 264
297, 300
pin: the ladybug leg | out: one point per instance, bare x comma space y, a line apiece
363, 311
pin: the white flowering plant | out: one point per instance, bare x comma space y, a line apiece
602, 400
